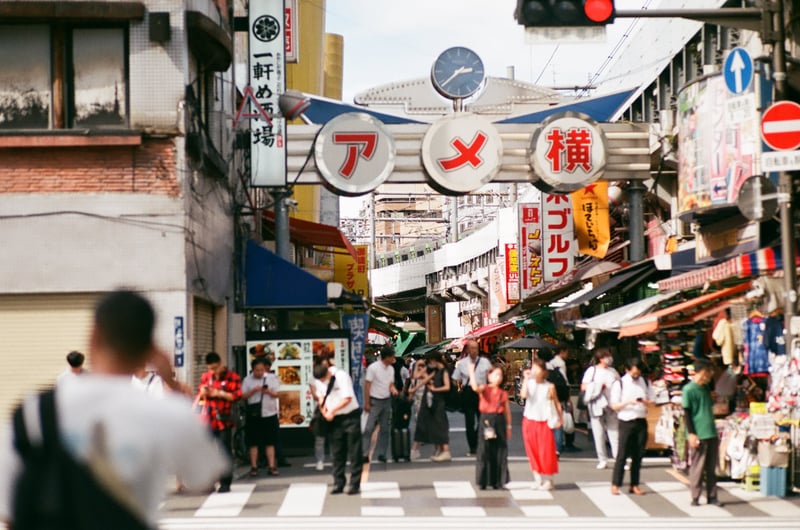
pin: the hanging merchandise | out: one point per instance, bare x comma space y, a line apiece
755, 343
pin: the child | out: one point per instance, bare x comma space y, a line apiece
494, 429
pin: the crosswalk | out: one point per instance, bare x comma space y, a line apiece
451, 500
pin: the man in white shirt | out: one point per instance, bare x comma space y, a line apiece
75, 361
469, 399
378, 392
596, 388
630, 397
260, 389
106, 423
340, 408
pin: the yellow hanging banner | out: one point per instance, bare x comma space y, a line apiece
590, 212
353, 273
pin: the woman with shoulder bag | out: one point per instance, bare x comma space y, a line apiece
542, 414
494, 429
596, 388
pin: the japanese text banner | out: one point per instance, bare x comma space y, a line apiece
591, 219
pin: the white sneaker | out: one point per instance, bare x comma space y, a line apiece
444, 456
547, 485
415, 454
602, 465
320, 466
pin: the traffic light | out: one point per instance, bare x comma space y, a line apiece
550, 13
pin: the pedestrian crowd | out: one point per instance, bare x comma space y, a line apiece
124, 425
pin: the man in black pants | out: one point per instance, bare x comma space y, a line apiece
630, 397
469, 399
342, 412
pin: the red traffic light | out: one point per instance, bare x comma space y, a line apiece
599, 11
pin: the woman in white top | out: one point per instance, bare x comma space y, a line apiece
596, 388
540, 445
630, 397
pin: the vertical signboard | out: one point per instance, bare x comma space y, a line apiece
179, 346
497, 288
267, 73
558, 240
352, 273
358, 324
530, 248
512, 273
293, 360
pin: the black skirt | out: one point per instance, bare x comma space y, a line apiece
491, 468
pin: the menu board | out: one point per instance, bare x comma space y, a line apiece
292, 357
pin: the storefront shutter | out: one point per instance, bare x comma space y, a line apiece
36, 333
203, 338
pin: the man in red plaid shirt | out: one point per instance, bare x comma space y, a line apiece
220, 388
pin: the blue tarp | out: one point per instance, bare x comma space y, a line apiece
274, 282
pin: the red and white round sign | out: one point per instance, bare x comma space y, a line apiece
567, 153
461, 153
354, 153
780, 126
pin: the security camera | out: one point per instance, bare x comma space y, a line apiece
291, 203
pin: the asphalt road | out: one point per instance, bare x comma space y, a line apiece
425, 494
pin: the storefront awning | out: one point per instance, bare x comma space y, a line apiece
273, 282
681, 312
485, 331
699, 277
624, 279
313, 235
612, 320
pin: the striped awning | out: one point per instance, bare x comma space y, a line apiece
763, 260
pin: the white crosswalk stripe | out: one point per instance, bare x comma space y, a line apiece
678, 495
460, 489
523, 491
610, 505
226, 504
380, 490
303, 500
769, 505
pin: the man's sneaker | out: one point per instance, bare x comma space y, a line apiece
602, 465
320, 466
224, 488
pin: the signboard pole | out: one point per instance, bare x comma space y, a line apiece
785, 188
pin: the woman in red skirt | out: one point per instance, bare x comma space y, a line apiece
541, 404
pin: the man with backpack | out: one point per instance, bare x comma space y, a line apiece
96, 453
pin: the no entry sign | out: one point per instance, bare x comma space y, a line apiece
780, 126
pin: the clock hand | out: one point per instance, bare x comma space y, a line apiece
460, 70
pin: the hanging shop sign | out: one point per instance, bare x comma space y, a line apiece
498, 302
358, 324
461, 153
558, 236
718, 143
290, 30
267, 74
567, 153
512, 273
354, 153
293, 361
351, 272
590, 214
530, 248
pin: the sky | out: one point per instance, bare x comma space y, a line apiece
387, 41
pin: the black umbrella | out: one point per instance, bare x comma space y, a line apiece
529, 342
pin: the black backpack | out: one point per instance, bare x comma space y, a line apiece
562, 388
55, 491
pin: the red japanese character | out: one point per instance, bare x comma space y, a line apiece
557, 244
562, 214
579, 149
563, 262
556, 139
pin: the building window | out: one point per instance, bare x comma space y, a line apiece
61, 77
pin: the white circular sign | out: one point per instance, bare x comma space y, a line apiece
354, 153
567, 153
461, 153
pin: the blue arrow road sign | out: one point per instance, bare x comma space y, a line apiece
738, 70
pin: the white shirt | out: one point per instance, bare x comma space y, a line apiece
342, 389
537, 404
482, 368
604, 377
628, 389
69, 374
151, 384
148, 439
269, 404
558, 363
380, 377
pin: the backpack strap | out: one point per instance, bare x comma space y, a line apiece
47, 416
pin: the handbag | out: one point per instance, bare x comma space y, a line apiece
553, 418
582, 401
254, 409
318, 424
568, 424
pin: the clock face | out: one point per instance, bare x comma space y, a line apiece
457, 73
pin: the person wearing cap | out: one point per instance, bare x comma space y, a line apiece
378, 392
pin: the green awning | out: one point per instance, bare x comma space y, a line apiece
408, 341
